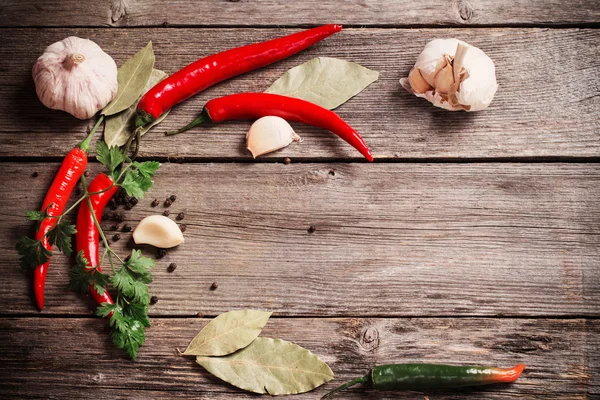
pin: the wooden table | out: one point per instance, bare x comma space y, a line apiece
473, 238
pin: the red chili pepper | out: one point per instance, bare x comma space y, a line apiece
54, 203
257, 105
221, 66
87, 235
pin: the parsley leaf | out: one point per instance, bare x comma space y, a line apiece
134, 289
140, 265
131, 337
60, 236
147, 168
112, 158
32, 252
83, 276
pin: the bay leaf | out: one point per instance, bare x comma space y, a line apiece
119, 127
228, 332
271, 366
132, 77
328, 82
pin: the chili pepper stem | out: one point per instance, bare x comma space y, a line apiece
85, 144
362, 379
201, 119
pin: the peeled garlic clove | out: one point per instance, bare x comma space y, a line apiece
158, 231
268, 134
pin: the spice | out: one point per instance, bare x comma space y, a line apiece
311, 229
113, 204
128, 206
116, 237
287, 161
133, 201
197, 77
119, 217
166, 213
431, 376
161, 253
172, 267
54, 204
126, 228
173, 197
153, 300
453, 75
214, 286
158, 231
168, 202
257, 105
86, 173
180, 216
35, 174
87, 237
114, 227
182, 227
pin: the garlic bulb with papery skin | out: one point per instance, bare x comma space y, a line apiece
76, 76
268, 134
453, 75
158, 231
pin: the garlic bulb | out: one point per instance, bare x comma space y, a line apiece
76, 76
453, 75
268, 134
158, 231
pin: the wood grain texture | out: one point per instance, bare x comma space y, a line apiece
547, 105
124, 13
389, 239
74, 357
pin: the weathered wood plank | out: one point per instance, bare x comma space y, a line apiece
67, 358
280, 12
547, 105
389, 239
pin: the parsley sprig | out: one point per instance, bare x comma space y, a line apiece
129, 314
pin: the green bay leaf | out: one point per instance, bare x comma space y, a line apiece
132, 78
328, 82
119, 127
228, 332
271, 366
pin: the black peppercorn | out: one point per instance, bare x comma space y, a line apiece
168, 202
214, 286
86, 173
116, 237
161, 253
153, 299
154, 203
172, 197
126, 228
287, 161
133, 201
119, 217
180, 216
35, 174
182, 227
166, 213
172, 267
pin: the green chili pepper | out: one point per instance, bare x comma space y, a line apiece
431, 376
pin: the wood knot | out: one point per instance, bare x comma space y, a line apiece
465, 10
370, 339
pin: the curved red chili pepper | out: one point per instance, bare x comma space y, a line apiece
87, 235
257, 105
221, 66
55, 201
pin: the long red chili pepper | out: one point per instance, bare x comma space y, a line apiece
257, 105
87, 235
221, 66
54, 203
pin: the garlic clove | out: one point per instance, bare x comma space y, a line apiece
268, 134
444, 80
158, 231
417, 82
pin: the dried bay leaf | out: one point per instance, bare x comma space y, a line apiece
328, 82
132, 78
119, 127
228, 332
271, 366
